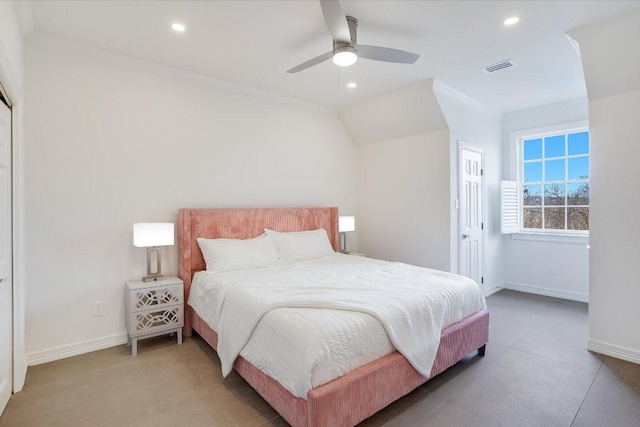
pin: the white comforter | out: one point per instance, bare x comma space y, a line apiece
375, 299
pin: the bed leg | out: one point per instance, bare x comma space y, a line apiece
481, 350
187, 331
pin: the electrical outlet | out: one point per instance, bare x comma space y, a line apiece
551, 270
98, 308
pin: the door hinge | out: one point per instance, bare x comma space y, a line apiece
482, 226
481, 172
482, 280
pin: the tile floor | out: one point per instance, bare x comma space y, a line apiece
536, 372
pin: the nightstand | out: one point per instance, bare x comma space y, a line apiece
154, 308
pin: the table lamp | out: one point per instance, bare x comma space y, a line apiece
345, 224
152, 235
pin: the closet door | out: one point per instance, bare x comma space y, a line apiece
6, 272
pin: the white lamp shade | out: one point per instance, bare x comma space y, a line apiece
346, 223
147, 234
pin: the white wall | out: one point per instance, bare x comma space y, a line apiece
609, 52
479, 126
403, 175
527, 262
406, 111
614, 103
403, 199
110, 145
614, 311
407, 185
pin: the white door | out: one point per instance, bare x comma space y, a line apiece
471, 218
6, 302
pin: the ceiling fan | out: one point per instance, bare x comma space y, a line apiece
346, 50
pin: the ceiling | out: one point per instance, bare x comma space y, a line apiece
253, 43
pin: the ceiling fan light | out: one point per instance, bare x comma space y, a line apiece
345, 58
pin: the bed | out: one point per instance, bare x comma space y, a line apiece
352, 397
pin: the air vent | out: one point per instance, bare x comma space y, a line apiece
499, 66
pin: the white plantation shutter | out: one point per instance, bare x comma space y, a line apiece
510, 205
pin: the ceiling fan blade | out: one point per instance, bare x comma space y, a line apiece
386, 54
336, 20
311, 62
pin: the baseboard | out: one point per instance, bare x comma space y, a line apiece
546, 292
64, 351
492, 291
614, 351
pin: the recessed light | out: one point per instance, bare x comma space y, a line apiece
177, 27
351, 85
511, 21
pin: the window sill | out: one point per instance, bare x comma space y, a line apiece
556, 238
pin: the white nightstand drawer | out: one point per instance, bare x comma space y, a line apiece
156, 320
157, 297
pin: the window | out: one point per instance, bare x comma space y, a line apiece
555, 182
550, 197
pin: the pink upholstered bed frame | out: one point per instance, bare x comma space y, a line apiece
344, 401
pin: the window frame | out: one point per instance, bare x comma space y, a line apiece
517, 139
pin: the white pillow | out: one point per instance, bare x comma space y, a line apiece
301, 245
237, 254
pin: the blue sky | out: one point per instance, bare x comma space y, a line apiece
554, 146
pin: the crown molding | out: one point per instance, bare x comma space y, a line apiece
464, 99
25, 17
103, 55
